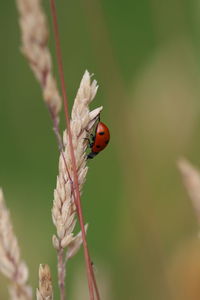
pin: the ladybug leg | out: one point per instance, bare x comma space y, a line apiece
89, 142
91, 136
87, 139
91, 155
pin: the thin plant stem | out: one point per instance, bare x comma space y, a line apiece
56, 128
90, 274
61, 274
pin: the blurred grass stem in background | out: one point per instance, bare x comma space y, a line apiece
11, 264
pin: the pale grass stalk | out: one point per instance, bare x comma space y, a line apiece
45, 290
11, 264
64, 208
191, 180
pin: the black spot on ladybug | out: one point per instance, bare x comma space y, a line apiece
107, 142
98, 146
101, 133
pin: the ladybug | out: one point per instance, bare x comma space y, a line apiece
99, 140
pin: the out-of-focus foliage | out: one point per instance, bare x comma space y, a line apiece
145, 56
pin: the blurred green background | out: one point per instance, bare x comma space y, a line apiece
145, 56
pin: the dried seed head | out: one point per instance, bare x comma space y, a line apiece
45, 291
82, 120
75, 244
34, 31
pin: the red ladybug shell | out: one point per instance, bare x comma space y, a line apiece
101, 139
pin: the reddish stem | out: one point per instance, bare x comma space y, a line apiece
90, 274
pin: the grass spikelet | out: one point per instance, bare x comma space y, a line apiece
11, 264
34, 47
45, 290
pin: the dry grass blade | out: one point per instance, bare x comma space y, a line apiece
191, 179
34, 47
11, 264
45, 290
